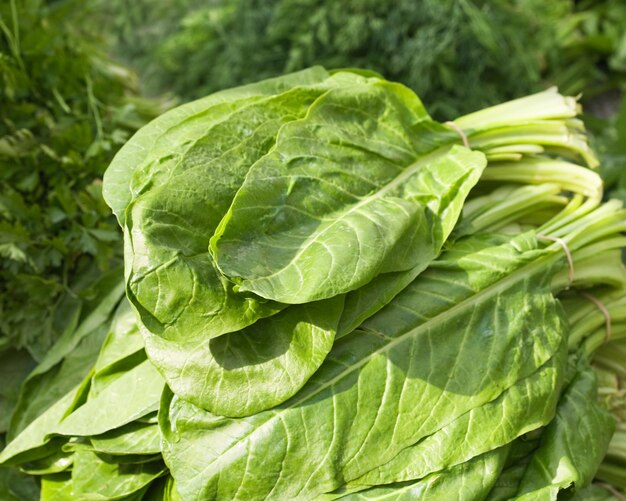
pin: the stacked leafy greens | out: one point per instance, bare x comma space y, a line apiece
329, 296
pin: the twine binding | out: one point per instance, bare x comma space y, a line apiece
604, 310
568, 255
460, 132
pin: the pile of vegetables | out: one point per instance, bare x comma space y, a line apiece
331, 295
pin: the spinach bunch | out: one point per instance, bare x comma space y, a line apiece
330, 297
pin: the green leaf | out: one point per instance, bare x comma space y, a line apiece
449, 193
57, 462
134, 438
254, 369
130, 396
465, 482
160, 134
525, 406
70, 359
163, 489
94, 479
180, 294
34, 441
347, 193
172, 279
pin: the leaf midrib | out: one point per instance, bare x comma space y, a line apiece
394, 183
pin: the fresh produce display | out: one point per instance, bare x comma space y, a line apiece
331, 295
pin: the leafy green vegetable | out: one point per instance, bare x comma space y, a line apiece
452, 362
572, 446
419, 186
94, 478
101, 439
466, 481
70, 359
310, 205
380, 382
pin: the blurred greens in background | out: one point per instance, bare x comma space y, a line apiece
446, 50
72, 72
65, 109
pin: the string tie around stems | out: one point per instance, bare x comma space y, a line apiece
568, 255
604, 310
459, 131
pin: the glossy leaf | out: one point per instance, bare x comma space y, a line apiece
228, 141
135, 438
346, 193
525, 406
256, 368
465, 482
172, 279
70, 359
160, 135
96, 480
31, 442
130, 396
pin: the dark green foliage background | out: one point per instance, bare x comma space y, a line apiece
65, 109
447, 51
459, 56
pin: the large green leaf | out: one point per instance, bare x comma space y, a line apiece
182, 299
346, 193
480, 320
181, 296
170, 217
254, 369
163, 133
525, 406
